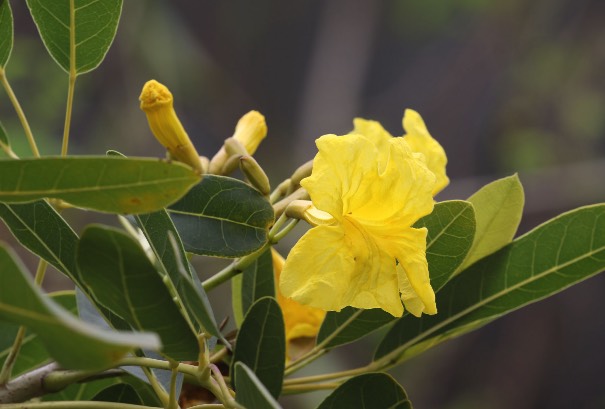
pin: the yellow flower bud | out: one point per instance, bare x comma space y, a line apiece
251, 129
157, 103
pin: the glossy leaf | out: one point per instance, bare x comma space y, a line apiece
552, 257
222, 217
92, 30
250, 391
73, 343
107, 184
498, 210
450, 226
371, 390
32, 353
261, 344
122, 279
40, 229
6, 36
258, 280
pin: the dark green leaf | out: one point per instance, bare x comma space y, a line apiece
498, 210
92, 30
119, 275
372, 390
261, 344
258, 280
6, 36
107, 184
39, 228
32, 353
73, 343
552, 257
122, 393
250, 391
450, 226
223, 217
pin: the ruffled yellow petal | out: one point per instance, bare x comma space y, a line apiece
300, 320
412, 303
380, 137
420, 140
410, 250
400, 195
332, 267
341, 166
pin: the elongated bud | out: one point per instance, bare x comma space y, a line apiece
302, 172
157, 103
251, 129
255, 174
304, 210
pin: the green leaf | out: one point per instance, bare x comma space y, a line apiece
92, 30
498, 210
371, 390
122, 393
32, 353
236, 300
73, 343
107, 184
258, 280
552, 257
120, 277
39, 228
450, 226
261, 344
6, 36
223, 217
250, 391
83, 391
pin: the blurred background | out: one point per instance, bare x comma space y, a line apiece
511, 86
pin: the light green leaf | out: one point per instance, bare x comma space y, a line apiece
261, 344
450, 226
120, 277
371, 390
91, 32
222, 217
40, 229
73, 343
6, 37
107, 184
552, 257
250, 391
236, 300
498, 210
83, 391
258, 280
32, 353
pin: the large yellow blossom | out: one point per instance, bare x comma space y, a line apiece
375, 188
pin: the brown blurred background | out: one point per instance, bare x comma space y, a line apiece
511, 86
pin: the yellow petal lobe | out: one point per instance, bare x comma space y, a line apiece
250, 130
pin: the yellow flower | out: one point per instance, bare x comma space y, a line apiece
300, 320
418, 138
368, 256
250, 130
157, 103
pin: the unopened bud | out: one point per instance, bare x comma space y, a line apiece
302, 172
234, 147
251, 129
304, 210
157, 103
255, 174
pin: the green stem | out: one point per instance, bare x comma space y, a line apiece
72, 76
74, 405
7, 149
157, 364
9, 363
233, 269
173, 402
157, 388
299, 364
293, 389
334, 375
209, 406
226, 396
20, 114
